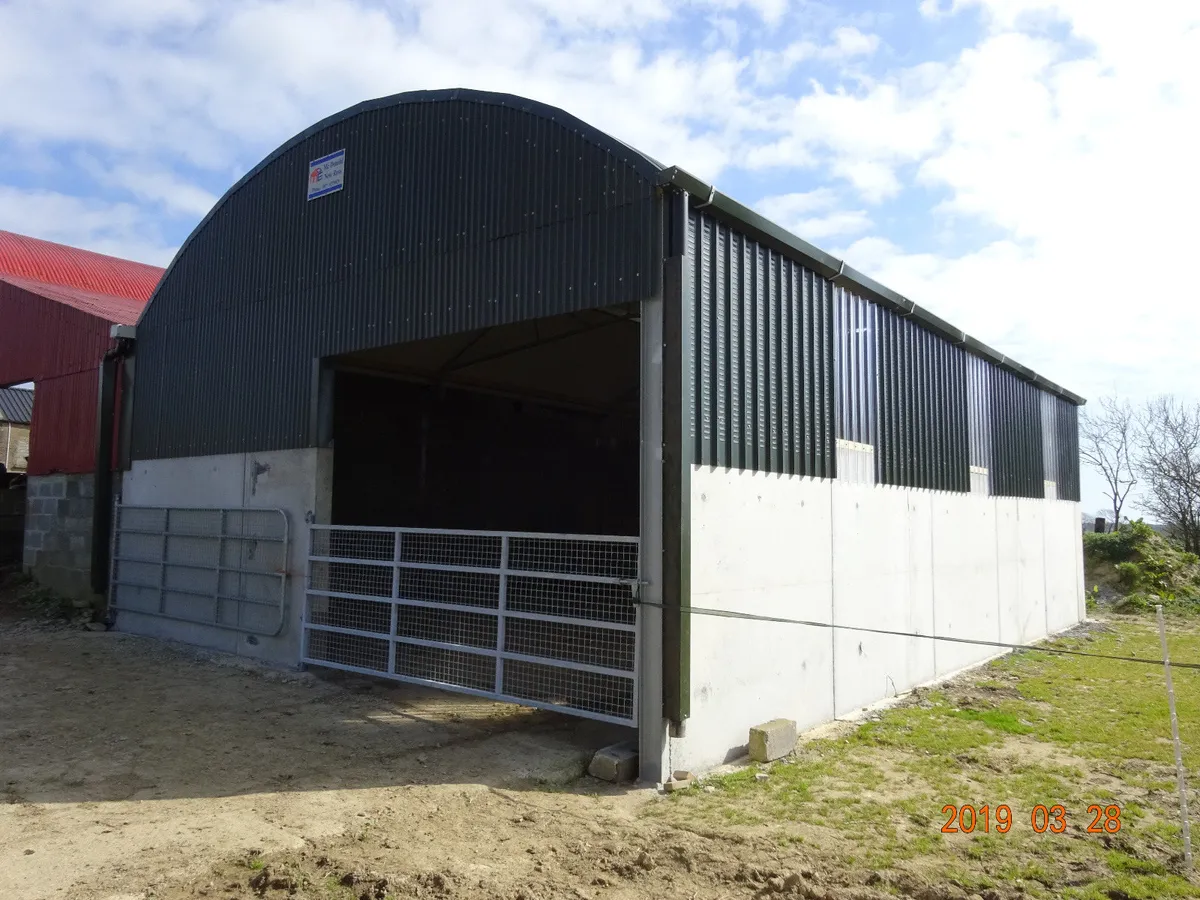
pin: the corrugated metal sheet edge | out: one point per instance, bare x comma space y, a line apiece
834, 269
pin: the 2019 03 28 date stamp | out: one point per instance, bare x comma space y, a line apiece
969, 819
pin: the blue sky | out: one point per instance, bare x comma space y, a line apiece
1024, 168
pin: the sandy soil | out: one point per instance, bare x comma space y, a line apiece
134, 769
126, 763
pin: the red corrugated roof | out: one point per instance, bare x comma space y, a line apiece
48, 263
121, 310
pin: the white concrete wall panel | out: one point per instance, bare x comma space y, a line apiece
882, 571
927, 562
202, 481
297, 481
1080, 580
965, 579
760, 544
1031, 568
1063, 533
1016, 620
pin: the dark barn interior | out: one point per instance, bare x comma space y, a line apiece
525, 427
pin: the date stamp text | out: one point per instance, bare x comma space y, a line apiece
968, 819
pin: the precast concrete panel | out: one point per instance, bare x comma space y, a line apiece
203, 481
882, 571
965, 582
1062, 579
1020, 616
761, 545
1031, 539
1080, 579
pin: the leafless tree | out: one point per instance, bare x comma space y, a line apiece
1106, 443
1168, 458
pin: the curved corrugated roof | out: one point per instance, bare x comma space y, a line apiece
104, 286
651, 169
645, 165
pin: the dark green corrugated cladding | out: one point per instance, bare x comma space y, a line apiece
464, 209
460, 210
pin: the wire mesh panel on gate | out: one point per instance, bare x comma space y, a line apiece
545, 620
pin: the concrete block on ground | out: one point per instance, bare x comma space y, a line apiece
616, 763
772, 740
681, 780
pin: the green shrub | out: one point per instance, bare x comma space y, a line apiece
1130, 575
1119, 546
1146, 566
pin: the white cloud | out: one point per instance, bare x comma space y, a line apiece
118, 229
174, 194
1075, 156
250, 74
770, 11
772, 67
1043, 172
813, 215
848, 41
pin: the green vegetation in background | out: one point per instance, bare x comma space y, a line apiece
1146, 567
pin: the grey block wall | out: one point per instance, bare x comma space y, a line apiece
58, 533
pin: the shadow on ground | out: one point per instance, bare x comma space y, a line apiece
95, 717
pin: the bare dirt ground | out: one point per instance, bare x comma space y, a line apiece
131, 768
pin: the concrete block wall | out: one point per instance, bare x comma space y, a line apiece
58, 533
874, 556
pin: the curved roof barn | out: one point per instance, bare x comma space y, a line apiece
457, 211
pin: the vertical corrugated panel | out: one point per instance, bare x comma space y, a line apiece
456, 214
1017, 462
1049, 412
978, 402
763, 332
923, 431
1067, 448
40, 338
854, 351
63, 431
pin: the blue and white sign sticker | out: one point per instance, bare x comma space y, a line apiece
325, 175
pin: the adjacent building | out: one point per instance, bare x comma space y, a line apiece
16, 412
454, 388
57, 308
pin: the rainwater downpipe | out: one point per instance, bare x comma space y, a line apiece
102, 502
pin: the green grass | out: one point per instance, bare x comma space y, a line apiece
1029, 729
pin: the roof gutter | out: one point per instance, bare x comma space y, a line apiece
837, 272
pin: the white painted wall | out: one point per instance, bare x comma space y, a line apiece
990, 568
300, 482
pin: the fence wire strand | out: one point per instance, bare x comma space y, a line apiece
754, 617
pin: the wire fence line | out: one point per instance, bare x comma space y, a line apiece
1002, 645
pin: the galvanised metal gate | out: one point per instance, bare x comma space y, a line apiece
545, 620
226, 568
